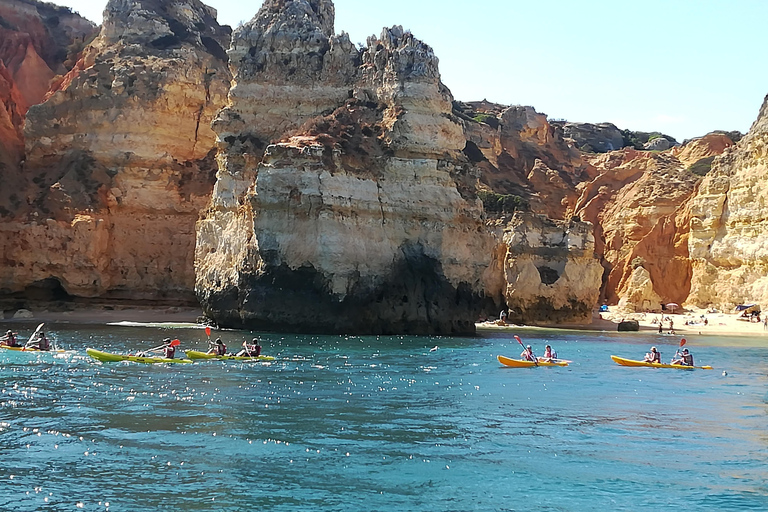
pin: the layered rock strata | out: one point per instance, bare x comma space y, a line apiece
120, 159
728, 241
361, 216
550, 270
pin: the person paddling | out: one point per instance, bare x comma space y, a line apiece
685, 359
549, 354
39, 342
9, 340
167, 349
527, 354
654, 356
250, 350
218, 348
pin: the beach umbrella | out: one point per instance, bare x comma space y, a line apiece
742, 307
673, 306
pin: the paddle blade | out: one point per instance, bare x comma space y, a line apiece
208, 331
682, 342
175, 343
519, 340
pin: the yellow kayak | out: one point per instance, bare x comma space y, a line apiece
107, 357
195, 355
519, 363
629, 362
23, 349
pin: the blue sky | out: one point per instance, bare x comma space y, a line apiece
683, 67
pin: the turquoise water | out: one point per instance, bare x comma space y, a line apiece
383, 424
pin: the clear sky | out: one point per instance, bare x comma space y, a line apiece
682, 67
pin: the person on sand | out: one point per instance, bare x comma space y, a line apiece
661, 328
654, 356
250, 350
218, 348
503, 317
39, 342
9, 340
685, 359
527, 354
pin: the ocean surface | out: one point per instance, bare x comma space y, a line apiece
383, 424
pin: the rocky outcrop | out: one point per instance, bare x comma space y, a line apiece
362, 220
550, 270
593, 138
520, 153
728, 225
120, 158
37, 41
638, 206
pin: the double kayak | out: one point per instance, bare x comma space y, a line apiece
519, 363
196, 355
107, 357
629, 362
24, 349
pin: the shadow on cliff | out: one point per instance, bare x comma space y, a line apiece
414, 298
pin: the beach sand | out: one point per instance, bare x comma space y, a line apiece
109, 314
718, 324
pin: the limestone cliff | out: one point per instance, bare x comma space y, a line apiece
728, 239
519, 152
550, 270
120, 158
360, 216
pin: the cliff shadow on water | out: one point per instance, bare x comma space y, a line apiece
414, 298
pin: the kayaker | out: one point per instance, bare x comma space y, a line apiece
549, 354
654, 356
685, 359
527, 354
250, 350
218, 348
169, 351
39, 342
9, 340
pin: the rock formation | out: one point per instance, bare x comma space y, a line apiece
343, 202
120, 158
593, 138
550, 270
728, 239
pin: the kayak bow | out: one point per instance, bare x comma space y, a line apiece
107, 357
196, 355
519, 363
629, 362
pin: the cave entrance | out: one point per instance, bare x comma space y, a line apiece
46, 290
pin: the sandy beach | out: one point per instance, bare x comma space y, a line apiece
718, 324
688, 322
107, 315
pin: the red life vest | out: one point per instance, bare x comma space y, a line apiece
170, 351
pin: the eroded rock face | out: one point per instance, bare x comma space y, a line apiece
120, 158
550, 270
728, 240
363, 220
597, 138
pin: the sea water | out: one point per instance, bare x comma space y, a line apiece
345, 423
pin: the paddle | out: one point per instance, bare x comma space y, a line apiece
535, 359
208, 333
174, 343
39, 328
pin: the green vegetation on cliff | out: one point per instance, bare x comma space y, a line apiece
502, 203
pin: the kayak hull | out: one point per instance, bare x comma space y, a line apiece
630, 362
107, 357
196, 355
22, 349
518, 363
